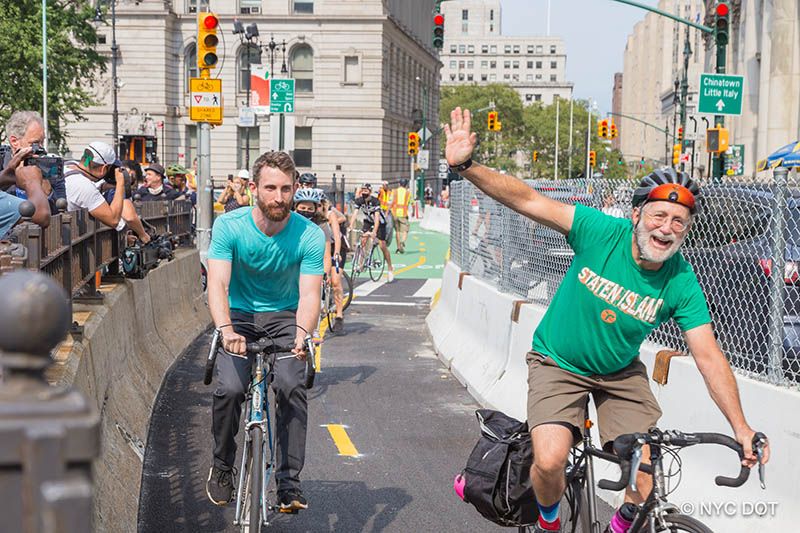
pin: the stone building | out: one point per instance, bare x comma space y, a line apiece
362, 67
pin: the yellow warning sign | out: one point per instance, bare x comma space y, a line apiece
205, 100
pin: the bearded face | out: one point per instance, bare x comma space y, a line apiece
274, 192
660, 231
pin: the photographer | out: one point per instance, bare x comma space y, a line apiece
99, 162
23, 130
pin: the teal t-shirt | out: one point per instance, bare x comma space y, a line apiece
265, 271
607, 304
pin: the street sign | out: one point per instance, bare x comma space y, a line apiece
281, 95
425, 133
423, 159
443, 169
259, 89
247, 117
721, 94
205, 100
734, 160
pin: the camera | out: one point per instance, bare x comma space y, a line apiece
51, 166
139, 259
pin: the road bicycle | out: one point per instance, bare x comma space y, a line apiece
328, 307
369, 257
253, 508
656, 514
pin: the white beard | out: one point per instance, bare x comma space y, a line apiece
647, 251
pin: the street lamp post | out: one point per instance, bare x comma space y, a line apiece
246, 36
420, 182
98, 17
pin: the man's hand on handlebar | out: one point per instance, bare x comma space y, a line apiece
233, 342
745, 438
300, 347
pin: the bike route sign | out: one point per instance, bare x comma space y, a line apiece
721, 94
205, 104
281, 95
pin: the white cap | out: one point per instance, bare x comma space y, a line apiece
244, 174
102, 153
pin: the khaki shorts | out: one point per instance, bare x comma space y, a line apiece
401, 223
624, 401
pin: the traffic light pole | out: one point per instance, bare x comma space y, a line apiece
205, 199
687, 52
719, 120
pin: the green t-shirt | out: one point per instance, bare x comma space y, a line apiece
265, 271
607, 304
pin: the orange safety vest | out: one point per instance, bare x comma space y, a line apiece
385, 198
400, 206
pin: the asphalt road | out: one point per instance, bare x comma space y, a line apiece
410, 421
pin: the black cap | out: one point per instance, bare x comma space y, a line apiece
158, 169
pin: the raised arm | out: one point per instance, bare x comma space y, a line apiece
508, 190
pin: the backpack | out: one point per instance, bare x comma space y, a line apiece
496, 480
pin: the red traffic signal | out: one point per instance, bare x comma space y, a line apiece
722, 10
438, 20
438, 30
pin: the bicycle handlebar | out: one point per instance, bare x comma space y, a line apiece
626, 446
267, 347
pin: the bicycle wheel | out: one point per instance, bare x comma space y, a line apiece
347, 290
375, 263
355, 267
677, 522
330, 304
574, 511
256, 473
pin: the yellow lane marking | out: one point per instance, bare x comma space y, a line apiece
421, 243
409, 267
323, 327
436, 296
422, 250
342, 440
447, 255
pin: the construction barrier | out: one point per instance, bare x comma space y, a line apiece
436, 219
476, 337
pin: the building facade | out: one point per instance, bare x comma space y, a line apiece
361, 69
764, 48
475, 53
616, 105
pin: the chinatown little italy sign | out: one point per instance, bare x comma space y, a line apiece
721, 94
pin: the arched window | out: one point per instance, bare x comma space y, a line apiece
302, 68
190, 63
243, 62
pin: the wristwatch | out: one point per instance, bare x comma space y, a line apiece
462, 167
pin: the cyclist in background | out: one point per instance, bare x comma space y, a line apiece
627, 277
338, 224
265, 266
368, 209
308, 181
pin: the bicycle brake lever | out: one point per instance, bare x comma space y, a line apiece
759, 440
636, 460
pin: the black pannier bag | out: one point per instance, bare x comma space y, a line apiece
496, 480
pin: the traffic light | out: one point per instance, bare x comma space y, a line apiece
717, 140
491, 121
602, 128
535, 156
592, 158
438, 31
207, 40
722, 11
614, 132
680, 134
413, 143
676, 154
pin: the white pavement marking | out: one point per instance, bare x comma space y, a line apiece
401, 304
367, 287
428, 289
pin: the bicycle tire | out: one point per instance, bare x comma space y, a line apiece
354, 270
582, 523
330, 305
256, 472
347, 290
677, 522
375, 262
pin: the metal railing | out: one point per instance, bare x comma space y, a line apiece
744, 246
75, 247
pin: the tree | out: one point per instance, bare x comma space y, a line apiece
73, 62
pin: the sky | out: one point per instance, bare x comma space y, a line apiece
594, 31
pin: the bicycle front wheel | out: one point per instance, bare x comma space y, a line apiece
678, 522
256, 477
355, 266
375, 263
347, 290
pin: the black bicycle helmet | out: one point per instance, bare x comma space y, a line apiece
666, 184
404, 182
308, 178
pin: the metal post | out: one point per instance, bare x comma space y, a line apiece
558, 114
719, 120
205, 197
247, 129
687, 53
115, 112
49, 436
775, 370
667, 151
569, 164
694, 142
587, 174
44, 66
421, 182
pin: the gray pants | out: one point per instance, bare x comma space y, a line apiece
291, 417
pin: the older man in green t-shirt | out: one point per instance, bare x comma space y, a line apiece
264, 273
626, 278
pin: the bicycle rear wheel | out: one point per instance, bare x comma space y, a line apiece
375, 263
256, 472
347, 290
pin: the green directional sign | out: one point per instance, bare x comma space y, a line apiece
721, 94
281, 96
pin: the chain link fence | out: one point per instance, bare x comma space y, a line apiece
744, 246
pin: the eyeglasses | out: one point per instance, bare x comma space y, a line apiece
677, 224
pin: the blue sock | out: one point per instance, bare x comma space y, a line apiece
549, 513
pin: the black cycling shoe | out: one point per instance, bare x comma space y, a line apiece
219, 486
291, 500
338, 325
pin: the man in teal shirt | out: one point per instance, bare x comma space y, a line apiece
626, 278
264, 267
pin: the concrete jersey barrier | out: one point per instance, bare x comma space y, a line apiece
436, 219
467, 325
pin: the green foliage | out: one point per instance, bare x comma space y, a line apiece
73, 62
